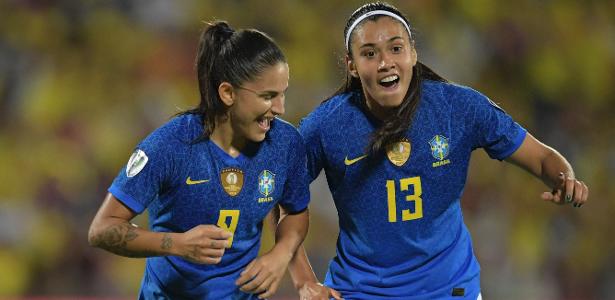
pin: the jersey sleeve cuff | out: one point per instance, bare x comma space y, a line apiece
126, 199
516, 144
296, 209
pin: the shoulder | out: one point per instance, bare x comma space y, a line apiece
328, 112
282, 128
180, 131
454, 94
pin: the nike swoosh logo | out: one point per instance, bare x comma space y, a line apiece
349, 162
191, 182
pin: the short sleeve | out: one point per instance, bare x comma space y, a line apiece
145, 174
296, 195
492, 128
310, 131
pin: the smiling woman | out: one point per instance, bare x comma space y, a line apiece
395, 143
210, 176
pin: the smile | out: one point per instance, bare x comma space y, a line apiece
389, 81
264, 123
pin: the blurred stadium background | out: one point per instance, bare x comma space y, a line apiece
81, 82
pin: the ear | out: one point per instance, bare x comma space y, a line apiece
352, 68
226, 93
414, 57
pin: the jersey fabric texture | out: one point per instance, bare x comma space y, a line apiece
182, 186
402, 234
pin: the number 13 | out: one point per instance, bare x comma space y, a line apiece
404, 183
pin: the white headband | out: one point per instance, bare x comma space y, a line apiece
369, 14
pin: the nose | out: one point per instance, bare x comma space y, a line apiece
277, 105
386, 62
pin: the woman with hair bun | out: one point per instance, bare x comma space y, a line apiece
210, 176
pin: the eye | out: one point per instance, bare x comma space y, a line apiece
368, 53
397, 49
269, 96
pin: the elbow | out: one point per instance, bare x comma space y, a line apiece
93, 236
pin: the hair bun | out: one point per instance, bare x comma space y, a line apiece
221, 29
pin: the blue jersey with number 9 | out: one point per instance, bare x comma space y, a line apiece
184, 182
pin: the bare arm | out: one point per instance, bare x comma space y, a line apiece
111, 230
301, 272
263, 275
553, 169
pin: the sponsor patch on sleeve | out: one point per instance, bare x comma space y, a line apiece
136, 163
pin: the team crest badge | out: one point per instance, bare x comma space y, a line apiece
439, 147
398, 153
232, 180
136, 163
266, 183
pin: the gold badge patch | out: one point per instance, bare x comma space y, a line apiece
232, 180
398, 153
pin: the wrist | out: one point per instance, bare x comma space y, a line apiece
305, 284
170, 244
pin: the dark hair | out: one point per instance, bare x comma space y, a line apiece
226, 55
395, 126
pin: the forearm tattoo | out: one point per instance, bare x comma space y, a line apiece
115, 239
167, 242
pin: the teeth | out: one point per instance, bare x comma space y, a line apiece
389, 78
265, 121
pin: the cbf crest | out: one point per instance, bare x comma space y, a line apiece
232, 180
266, 186
398, 153
439, 150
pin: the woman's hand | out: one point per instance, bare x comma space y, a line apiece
568, 190
263, 275
204, 244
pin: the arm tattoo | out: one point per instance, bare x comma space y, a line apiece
115, 239
167, 242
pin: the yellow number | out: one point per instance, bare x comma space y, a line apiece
232, 226
406, 215
391, 201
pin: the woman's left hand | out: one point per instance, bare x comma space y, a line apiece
263, 275
568, 190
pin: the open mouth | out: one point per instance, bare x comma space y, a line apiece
264, 122
389, 81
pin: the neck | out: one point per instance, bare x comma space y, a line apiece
380, 112
224, 136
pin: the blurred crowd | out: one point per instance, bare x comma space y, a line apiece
82, 82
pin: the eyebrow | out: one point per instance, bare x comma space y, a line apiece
374, 44
272, 93
275, 92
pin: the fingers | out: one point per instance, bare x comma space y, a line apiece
271, 290
335, 294
569, 184
581, 193
246, 275
258, 282
555, 196
206, 244
215, 232
568, 190
256, 279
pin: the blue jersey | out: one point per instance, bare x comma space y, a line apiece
402, 234
184, 183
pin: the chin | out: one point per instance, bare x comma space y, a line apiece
258, 137
391, 102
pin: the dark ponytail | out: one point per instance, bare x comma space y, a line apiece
226, 55
394, 128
